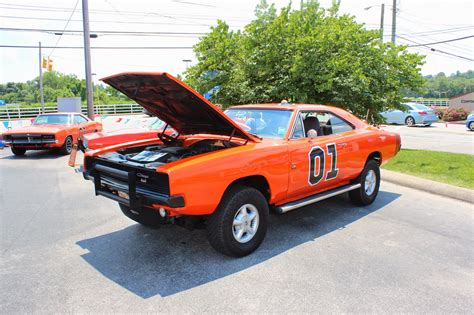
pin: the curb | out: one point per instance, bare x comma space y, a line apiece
437, 188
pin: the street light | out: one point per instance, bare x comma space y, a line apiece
187, 61
382, 13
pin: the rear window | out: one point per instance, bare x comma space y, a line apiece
420, 107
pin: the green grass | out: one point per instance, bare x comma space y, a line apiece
450, 168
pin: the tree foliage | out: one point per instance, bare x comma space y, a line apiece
56, 84
309, 55
441, 85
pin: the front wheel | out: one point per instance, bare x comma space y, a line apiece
410, 121
369, 181
239, 224
471, 126
67, 146
18, 151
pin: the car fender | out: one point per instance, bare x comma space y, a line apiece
203, 180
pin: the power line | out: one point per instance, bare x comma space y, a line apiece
433, 49
103, 47
56, 31
443, 41
105, 21
111, 12
442, 31
67, 23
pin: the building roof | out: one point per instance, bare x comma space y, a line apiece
461, 95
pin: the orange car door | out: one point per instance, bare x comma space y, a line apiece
318, 164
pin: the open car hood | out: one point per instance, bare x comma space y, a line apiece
175, 103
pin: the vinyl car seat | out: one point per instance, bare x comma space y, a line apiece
312, 122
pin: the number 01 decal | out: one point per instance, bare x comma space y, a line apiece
317, 163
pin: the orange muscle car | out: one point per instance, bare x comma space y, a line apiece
49, 131
224, 171
100, 139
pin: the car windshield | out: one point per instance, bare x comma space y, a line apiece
52, 120
420, 107
265, 123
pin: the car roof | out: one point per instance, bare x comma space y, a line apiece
288, 106
63, 113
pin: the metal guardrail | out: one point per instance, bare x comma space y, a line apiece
432, 102
10, 112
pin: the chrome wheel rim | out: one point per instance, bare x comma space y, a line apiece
69, 144
410, 121
370, 182
471, 125
245, 224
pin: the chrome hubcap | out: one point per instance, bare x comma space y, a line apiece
68, 144
370, 182
410, 121
245, 224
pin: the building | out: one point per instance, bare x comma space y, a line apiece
465, 101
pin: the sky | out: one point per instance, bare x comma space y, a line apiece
420, 21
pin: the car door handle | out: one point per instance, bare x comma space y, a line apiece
342, 145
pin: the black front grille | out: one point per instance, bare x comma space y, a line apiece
31, 139
145, 179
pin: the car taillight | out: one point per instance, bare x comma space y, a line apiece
423, 113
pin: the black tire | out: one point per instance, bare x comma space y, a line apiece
471, 126
410, 121
145, 216
67, 146
18, 151
360, 196
220, 225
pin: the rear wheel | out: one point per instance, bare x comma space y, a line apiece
471, 126
369, 181
145, 216
410, 121
67, 146
239, 224
18, 151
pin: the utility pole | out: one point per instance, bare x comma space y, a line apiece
394, 20
382, 14
87, 59
41, 78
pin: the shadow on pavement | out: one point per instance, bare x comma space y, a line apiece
33, 155
171, 259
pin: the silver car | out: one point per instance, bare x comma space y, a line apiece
411, 115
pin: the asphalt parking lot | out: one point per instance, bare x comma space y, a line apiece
65, 250
453, 138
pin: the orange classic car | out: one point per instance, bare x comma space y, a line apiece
50, 131
224, 171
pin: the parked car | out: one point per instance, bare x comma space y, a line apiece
213, 173
411, 115
100, 139
50, 131
470, 121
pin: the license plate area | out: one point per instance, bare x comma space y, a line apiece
125, 194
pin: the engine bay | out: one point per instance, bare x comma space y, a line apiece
155, 155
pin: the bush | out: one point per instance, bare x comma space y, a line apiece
439, 111
454, 114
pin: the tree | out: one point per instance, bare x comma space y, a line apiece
56, 85
309, 55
